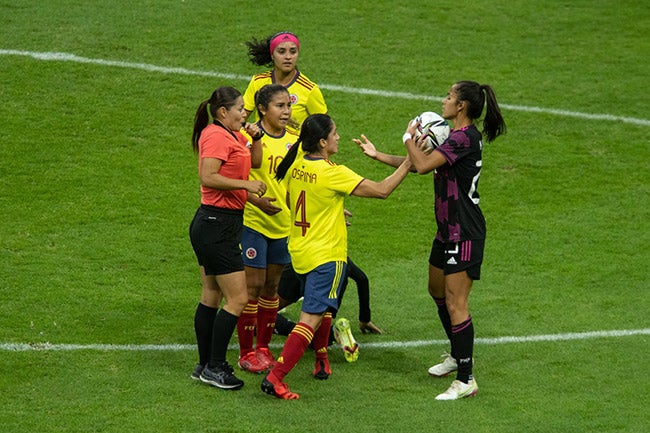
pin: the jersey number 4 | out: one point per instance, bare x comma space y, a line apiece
302, 212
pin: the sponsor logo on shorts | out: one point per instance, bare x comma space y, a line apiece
251, 253
451, 261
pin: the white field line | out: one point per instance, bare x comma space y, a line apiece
36, 347
66, 57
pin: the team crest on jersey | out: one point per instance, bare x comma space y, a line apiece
288, 146
294, 98
251, 253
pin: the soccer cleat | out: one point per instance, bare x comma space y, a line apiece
222, 376
265, 357
196, 374
459, 390
251, 363
344, 337
322, 369
446, 367
278, 389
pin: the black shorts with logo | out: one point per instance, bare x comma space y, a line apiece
216, 238
460, 256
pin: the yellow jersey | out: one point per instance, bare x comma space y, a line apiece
306, 97
317, 189
273, 150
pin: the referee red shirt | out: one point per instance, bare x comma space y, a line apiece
234, 152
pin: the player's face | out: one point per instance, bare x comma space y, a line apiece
450, 106
235, 117
278, 113
285, 57
332, 141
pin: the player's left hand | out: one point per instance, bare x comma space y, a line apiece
369, 328
366, 146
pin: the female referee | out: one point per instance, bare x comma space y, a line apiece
281, 51
225, 160
266, 228
457, 250
316, 190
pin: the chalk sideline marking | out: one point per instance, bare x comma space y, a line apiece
36, 347
66, 57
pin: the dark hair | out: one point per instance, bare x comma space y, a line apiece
476, 95
314, 129
259, 51
264, 96
222, 97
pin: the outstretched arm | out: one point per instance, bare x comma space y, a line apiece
371, 151
370, 188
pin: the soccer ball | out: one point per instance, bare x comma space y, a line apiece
434, 126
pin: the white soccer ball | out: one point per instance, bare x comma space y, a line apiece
434, 126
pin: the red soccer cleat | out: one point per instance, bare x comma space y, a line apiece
272, 386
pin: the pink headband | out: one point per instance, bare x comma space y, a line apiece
283, 37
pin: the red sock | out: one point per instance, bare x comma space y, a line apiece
293, 349
267, 311
322, 336
246, 327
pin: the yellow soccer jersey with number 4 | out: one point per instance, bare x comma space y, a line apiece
317, 189
273, 226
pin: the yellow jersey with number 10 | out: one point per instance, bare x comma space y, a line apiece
272, 226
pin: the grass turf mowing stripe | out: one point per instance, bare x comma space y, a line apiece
25, 347
67, 57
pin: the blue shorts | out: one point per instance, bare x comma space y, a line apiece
456, 257
261, 251
322, 287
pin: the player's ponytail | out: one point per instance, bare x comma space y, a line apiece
314, 129
288, 160
476, 96
493, 123
259, 51
201, 119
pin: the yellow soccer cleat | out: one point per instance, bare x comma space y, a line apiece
343, 335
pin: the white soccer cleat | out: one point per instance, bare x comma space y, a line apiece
446, 367
459, 390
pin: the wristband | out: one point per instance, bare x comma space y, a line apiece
258, 136
406, 136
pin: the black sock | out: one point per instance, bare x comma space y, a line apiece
463, 346
203, 324
223, 328
443, 313
283, 326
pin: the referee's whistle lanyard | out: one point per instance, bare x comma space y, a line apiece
216, 122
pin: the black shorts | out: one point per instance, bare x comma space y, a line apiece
216, 235
456, 257
290, 288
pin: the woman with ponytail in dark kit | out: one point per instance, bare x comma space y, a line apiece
457, 250
225, 160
